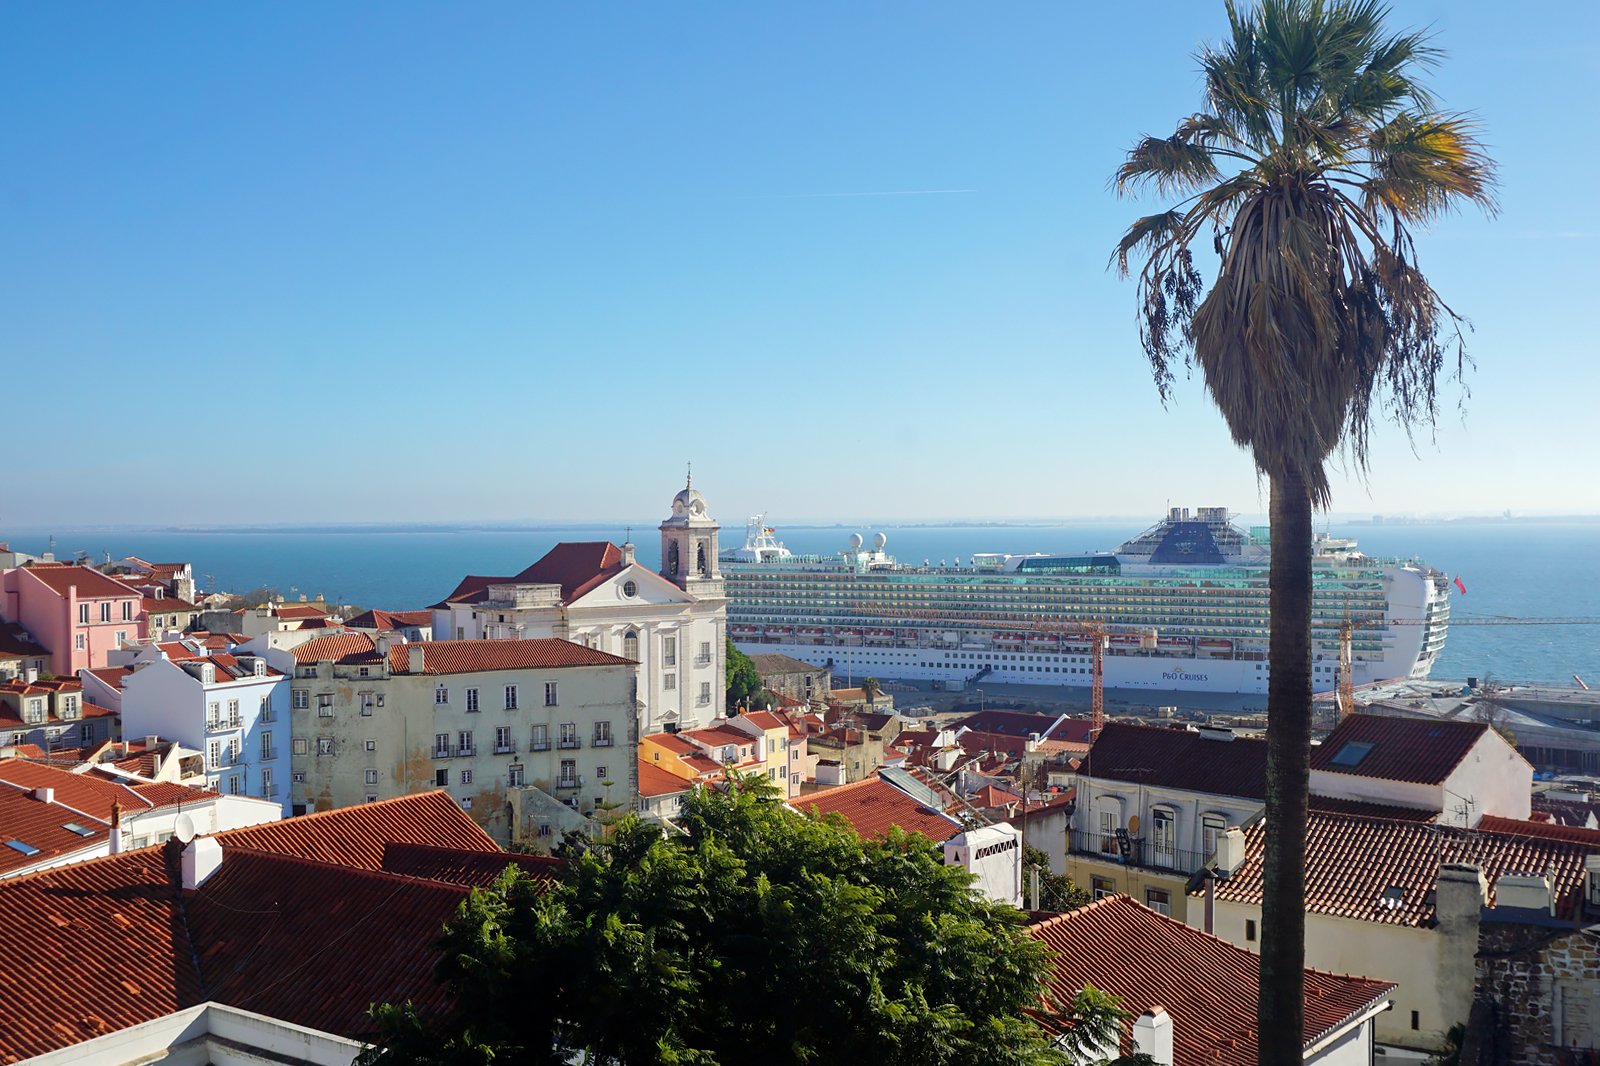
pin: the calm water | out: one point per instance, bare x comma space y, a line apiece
1508, 568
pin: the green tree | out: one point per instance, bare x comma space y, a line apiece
760, 935
871, 688
1057, 892
745, 687
1316, 153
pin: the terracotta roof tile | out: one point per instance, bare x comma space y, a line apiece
468, 656
87, 795
1178, 758
1335, 805
336, 647
672, 742
577, 566
1207, 985
170, 793
460, 866
766, 720
41, 826
1418, 750
1576, 834
17, 643
654, 781
90, 583
357, 836
873, 805
389, 620
1383, 870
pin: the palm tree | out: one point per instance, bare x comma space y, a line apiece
870, 688
1315, 155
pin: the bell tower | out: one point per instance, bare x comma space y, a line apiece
689, 545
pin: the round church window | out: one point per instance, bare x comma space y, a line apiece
629, 588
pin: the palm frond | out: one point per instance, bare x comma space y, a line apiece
1424, 165
1171, 164
1145, 235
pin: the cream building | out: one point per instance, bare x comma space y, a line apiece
493, 722
672, 623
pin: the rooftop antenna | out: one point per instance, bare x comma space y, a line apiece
689, 476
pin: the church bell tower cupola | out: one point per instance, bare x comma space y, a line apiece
689, 545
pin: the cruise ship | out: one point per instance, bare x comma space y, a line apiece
1184, 605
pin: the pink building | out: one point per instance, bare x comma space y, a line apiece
77, 612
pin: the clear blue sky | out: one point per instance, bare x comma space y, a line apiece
311, 262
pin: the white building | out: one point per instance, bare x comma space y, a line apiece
672, 623
235, 709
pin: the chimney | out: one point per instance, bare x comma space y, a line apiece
44, 794
417, 659
151, 741
1230, 851
1215, 732
384, 642
116, 828
1459, 896
627, 554
202, 857
31, 674
1152, 1035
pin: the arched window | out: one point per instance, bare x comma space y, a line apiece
630, 645
672, 558
700, 560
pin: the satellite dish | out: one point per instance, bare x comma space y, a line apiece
183, 828
880, 540
855, 542
1133, 823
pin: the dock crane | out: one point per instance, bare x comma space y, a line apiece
1346, 697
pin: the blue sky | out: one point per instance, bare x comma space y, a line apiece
298, 262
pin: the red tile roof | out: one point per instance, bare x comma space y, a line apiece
112, 675
1336, 805
1352, 862
672, 742
873, 805
357, 836
766, 720
88, 795
577, 566
168, 605
389, 620
170, 793
42, 826
469, 656
1418, 750
458, 866
1577, 834
298, 610
989, 796
17, 643
654, 781
336, 647
1178, 758
1207, 985
91, 583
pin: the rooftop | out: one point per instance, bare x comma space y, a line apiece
1417, 750
90, 583
576, 566
1207, 985
770, 663
873, 805
1179, 759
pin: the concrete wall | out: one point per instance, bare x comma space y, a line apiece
1494, 778
1539, 990
992, 854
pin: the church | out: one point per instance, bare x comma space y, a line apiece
594, 593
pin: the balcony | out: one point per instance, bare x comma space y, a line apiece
268, 754
267, 716
600, 742
569, 742
539, 745
1141, 852
467, 751
505, 749
441, 753
702, 660
566, 783
269, 792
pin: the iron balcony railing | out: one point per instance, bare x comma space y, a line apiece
567, 782
505, 749
569, 742
1137, 851
539, 745
600, 742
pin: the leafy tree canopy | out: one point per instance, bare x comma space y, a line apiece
745, 688
758, 935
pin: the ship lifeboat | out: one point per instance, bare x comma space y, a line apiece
809, 631
1125, 639
850, 633
1043, 640
779, 631
1009, 639
745, 631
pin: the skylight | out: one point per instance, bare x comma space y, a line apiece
74, 827
1393, 896
26, 849
1352, 753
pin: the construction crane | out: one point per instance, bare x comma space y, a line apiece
1346, 697
1098, 634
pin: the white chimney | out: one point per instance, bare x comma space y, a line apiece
1525, 892
384, 642
151, 741
1152, 1034
116, 828
31, 674
417, 662
627, 554
1230, 850
201, 858
44, 794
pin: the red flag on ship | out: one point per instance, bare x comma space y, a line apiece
1461, 586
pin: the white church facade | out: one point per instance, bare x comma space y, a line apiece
672, 623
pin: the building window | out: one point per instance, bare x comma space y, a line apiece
298, 777
569, 735
464, 744
1164, 836
544, 829
705, 693
1250, 930
86, 733
511, 697
371, 744
372, 777
602, 734
472, 701
83, 614
503, 744
541, 738
600, 772
569, 774
363, 671
1416, 1020
1212, 826
466, 777
1108, 832
105, 611
1158, 900
669, 651
441, 695
441, 745
122, 636
81, 642
267, 750
514, 775
669, 682
301, 699
325, 705
306, 671
233, 713
441, 778
127, 610
367, 703
704, 658
629, 588
466, 801
264, 709
550, 694
214, 755
300, 746
268, 790
324, 745
233, 784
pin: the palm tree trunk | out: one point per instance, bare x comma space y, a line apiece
1281, 1004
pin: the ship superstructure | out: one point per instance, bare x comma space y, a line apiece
1186, 602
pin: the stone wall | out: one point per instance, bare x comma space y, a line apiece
1538, 996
